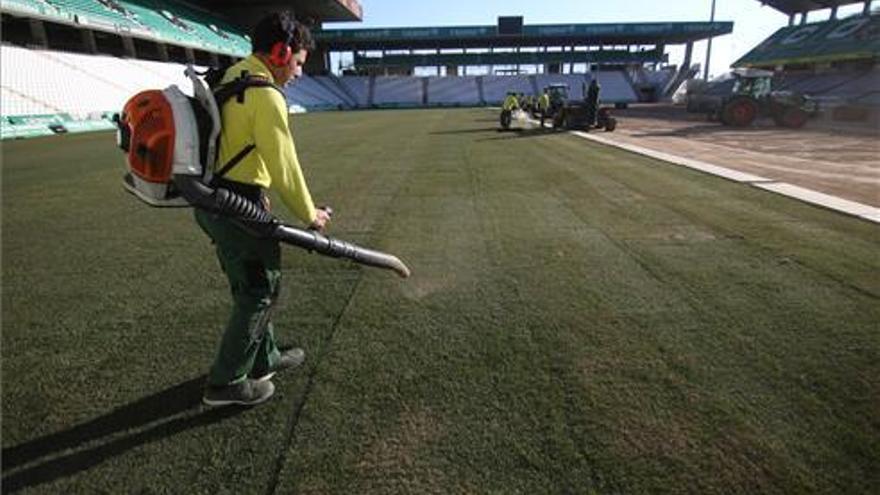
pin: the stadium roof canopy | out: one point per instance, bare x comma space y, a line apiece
798, 6
320, 10
530, 36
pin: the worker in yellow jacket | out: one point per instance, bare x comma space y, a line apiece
511, 103
544, 106
256, 141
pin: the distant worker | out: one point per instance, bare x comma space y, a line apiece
256, 137
592, 100
544, 105
511, 103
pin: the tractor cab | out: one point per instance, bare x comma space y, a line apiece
752, 82
558, 94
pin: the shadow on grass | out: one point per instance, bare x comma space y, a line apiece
467, 131
520, 133
183, 400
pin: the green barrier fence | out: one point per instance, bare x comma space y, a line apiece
27, 126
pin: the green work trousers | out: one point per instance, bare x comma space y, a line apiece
253, 267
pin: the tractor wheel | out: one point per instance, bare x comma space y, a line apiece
610, 124
791, 117
506, 117
740, 111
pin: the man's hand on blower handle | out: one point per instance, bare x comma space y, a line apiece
322, 218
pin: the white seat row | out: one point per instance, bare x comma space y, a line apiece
77, 84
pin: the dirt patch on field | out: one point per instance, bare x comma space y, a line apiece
843, 163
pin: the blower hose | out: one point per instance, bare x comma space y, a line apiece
263, 224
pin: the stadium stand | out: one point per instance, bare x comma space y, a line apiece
650, 85
453, 91
575, 82
616, 88
311, 94
331, 85
833, 61
495, 88
42, 88
397, 91
150, 19
828, 41
55, 81
845, 85
15, 103
357, 87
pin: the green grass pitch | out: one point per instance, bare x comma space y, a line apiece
579, 320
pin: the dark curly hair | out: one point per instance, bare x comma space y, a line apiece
283, 27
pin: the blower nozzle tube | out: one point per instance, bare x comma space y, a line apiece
262, 224
335, 248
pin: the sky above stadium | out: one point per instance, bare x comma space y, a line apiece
752, 21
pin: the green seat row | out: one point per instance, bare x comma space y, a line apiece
169, 21
43, 8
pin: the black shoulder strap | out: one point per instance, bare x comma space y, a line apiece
235, 159
237, 88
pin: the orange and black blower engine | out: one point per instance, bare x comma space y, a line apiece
146, 135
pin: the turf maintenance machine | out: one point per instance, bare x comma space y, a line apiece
752, 96
584, 115
170, 143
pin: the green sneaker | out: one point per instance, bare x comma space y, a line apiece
290, 358
246, 393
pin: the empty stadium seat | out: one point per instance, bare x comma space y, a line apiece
13, 102
358, 87
397, 91
453, 91
831, 86
163, 20
616, 88
40, 81
495, 88
312, 95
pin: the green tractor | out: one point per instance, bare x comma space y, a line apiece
578, 114
753, 97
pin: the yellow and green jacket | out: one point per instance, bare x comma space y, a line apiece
510, 103
544, 101
262, 120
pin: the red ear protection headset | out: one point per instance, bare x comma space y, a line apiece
280, 54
